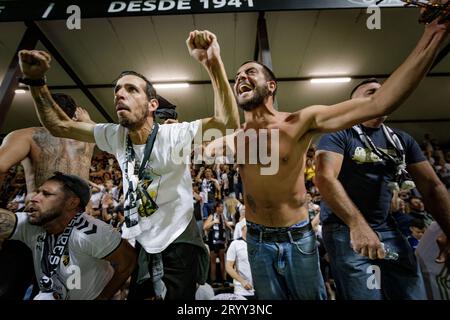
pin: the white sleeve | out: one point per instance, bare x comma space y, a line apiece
106, 136
98, 239
183, 133
231, 253
23, 231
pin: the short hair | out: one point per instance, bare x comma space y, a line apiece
74, 184
417, 223
149, 89
365, 81
66, 103
268, 73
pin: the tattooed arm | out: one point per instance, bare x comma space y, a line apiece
34, 64
7, 223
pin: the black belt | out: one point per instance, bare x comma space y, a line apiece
281, 235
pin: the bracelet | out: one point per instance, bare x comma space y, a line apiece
33, 82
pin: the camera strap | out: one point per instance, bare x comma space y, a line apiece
399, 160
132, 194
52, 257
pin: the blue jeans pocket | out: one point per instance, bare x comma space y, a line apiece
307, 245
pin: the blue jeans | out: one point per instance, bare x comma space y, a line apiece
284, 270
357, 277
208, 209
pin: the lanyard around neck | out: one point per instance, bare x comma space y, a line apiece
131, 156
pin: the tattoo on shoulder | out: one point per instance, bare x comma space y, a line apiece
251, 202
7, 222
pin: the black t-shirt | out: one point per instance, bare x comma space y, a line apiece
197, 209
363, 175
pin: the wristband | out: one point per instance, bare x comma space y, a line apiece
33, 82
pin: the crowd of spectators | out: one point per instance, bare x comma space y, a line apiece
219, 210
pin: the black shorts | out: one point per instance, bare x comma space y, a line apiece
216, 247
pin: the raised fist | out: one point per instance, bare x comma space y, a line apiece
203, 46
34, 63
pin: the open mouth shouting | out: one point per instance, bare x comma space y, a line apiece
244, 87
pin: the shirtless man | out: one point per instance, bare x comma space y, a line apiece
42, 154
281, 243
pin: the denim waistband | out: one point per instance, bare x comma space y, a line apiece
281, 234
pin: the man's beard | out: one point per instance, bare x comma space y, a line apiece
45, 218
127, 123
259, 95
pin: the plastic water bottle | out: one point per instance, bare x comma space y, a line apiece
389, 254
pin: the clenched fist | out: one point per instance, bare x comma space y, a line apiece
34, 63
203, 46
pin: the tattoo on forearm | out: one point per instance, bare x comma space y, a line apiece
7, 222
46, 108
42, 101
251, 203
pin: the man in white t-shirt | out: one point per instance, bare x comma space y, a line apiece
76, 257
242, 222
158, 205
238, 267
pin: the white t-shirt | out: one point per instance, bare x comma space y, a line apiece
225, 181
90, 241
435, 275
238, 229
171, 187
96, 197
238, 252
